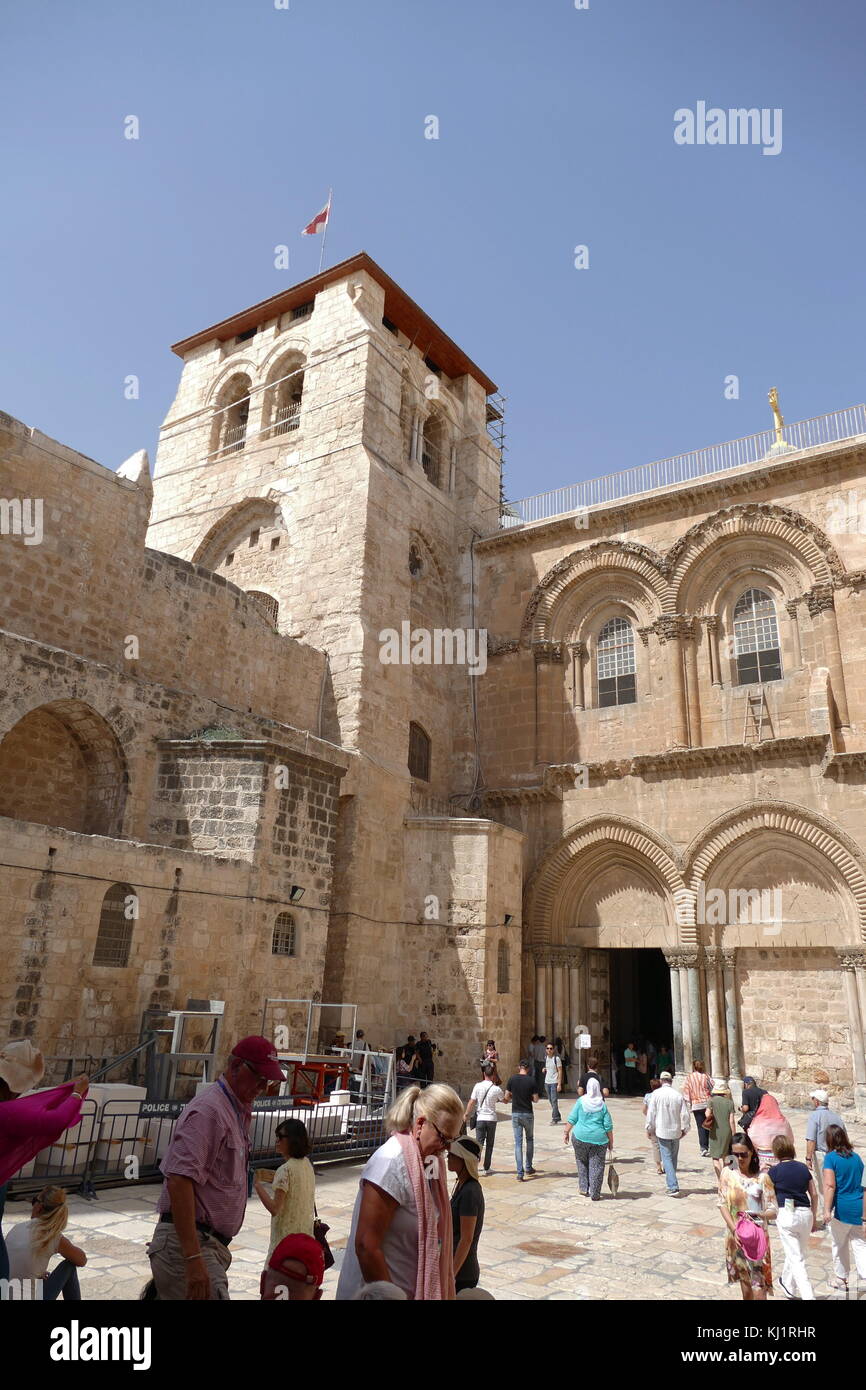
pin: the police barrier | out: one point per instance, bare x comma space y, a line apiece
127, 1139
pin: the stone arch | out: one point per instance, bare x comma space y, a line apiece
594, 840
235, 366
621, 558
251, 514
63, 765
432, 571
283, 395
793, 537
784, 819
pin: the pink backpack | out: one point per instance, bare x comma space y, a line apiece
752, 1239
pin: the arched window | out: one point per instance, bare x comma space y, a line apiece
116, 920
269, 606
433, 459
502, 986
283, 943
756, 638
233, 411
419, 753
283, 407
615, 662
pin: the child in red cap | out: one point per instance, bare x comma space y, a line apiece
295, 1270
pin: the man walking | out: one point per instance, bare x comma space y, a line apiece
536, 1057
204, 1196
426, 1049
816, 1134
668, 1119
553, 1081
521, 1091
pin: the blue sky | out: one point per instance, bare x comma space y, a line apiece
556, 129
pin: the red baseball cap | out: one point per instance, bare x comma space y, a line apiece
304, 1248
260, 1054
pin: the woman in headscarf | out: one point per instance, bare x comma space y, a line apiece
752, 1097
767, 1122
401, 1225
590, 1129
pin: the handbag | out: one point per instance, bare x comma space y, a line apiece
320, 1233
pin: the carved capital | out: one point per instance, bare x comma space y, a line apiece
791, 608
668, 628
711, 623
675, 956
820, 599
578, 648
729, 957
547, 651
691, 959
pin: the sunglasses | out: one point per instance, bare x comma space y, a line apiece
446, 1140
264, 1081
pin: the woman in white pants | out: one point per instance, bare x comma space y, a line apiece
843, 1206
797, 1199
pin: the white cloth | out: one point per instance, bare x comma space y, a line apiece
24, 1263
486, 1097
845, 1241
593, 1100
668, 1113
794, 1228
387, 1170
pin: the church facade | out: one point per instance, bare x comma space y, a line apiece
297, 717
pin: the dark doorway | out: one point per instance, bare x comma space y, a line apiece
640, 1002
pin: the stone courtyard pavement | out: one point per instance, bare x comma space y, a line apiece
541, 1239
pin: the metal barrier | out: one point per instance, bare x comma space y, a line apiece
128, 1139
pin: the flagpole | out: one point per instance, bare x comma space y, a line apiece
325, 230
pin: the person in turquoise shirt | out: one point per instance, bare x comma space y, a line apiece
590, 1129
843, 1205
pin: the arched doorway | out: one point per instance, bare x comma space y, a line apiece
62, 765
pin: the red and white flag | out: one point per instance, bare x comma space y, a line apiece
319, 222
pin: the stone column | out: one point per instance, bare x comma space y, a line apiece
540, 993
575, 995
716, 1059
673, 960
578, 651
560, 1018
794, 629
858, 957
667, 630
547, 1030
820, 604
691, 961
851, 959
548, 711
732, 1027
690, 637
712, 626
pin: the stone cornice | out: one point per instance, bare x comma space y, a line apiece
750, 478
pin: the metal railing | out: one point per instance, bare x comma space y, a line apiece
718, 458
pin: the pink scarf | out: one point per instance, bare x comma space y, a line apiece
768, 1122
435, 1277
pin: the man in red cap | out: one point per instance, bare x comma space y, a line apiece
295, 1270
204, 1197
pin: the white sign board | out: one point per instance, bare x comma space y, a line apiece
584, 1040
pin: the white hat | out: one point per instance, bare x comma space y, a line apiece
665, 1076
22, 1065
821, 1097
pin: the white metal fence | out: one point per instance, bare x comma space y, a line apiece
753, 448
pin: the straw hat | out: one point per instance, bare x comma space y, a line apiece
720, 1089
22, 1065
469, 1150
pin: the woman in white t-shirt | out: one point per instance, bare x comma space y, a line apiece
485, 1097
401, 1225
32, 1243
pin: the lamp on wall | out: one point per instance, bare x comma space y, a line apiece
295, 894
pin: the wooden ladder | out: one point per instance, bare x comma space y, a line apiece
756, 704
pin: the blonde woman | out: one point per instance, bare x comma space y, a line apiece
32, 1243
401, 1225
